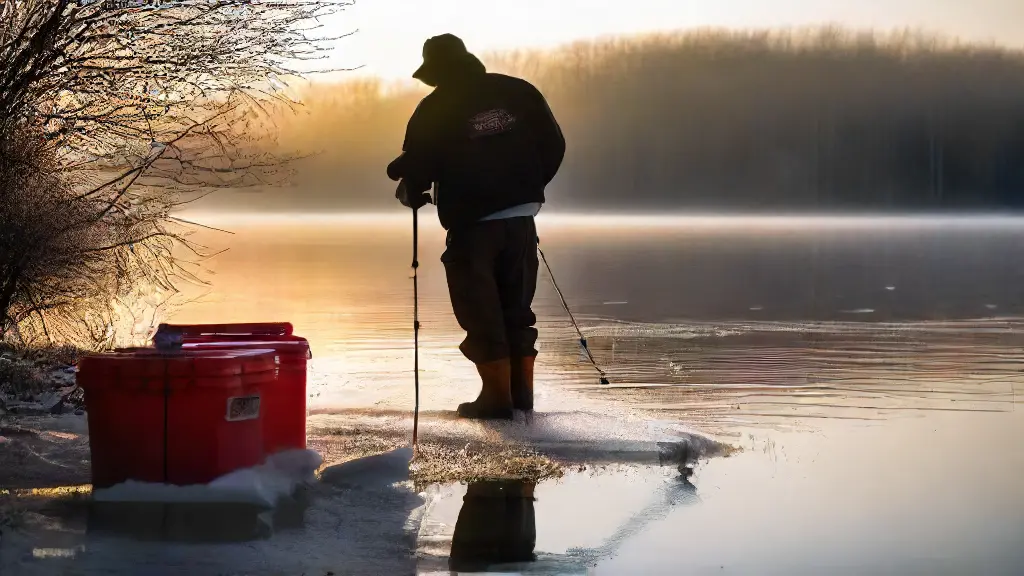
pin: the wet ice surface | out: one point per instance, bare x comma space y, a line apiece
916, 496
344, 531
876, 442
866, 449
930, 495
361, 516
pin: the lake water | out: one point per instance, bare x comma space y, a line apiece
815, 317
867, 371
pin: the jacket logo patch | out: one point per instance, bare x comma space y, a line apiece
490, 123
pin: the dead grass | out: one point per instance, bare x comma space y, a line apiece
438, 464
25, 371
19, 378
440, 461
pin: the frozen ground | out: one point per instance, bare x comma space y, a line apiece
858, 456
862, 452
361, 514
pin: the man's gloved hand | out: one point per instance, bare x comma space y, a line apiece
397, 168
414, 200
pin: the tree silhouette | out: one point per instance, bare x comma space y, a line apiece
113, 117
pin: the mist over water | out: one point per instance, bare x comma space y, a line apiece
673, 268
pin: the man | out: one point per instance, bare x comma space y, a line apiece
489, 145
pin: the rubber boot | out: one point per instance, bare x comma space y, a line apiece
497, 525
495, 399
522, 383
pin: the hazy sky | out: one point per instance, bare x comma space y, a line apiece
391, 32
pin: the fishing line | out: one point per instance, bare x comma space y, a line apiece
565, 306
416, 322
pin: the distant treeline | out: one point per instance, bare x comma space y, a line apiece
816, 120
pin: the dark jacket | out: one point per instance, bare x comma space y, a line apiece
488, 141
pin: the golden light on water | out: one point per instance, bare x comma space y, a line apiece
572, 220
343, 280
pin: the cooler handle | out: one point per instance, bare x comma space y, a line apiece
249, 329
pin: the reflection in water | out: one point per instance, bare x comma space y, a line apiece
677, 492
585, 519
197, 522
180, 522
496, 525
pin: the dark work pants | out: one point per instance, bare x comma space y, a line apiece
492, 277
497, 525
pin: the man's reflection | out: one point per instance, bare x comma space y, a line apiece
496, 525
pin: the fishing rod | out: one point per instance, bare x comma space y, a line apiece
565, 306
416, 324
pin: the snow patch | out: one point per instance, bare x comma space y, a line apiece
263, 485
376, 471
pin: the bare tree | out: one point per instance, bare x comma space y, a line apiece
111, 117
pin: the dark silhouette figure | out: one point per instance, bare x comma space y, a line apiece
496, 525
489, 145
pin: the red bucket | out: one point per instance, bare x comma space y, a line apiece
284, 419
182, 418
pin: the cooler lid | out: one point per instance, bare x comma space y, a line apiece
150, 363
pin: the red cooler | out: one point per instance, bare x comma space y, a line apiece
184, 417
284, 407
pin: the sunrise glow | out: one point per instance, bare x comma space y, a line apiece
389, 33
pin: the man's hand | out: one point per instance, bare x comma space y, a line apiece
396, 169
415, 200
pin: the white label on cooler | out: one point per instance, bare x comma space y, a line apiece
243, 408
